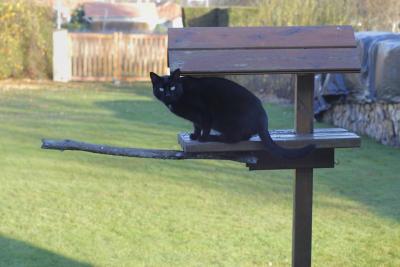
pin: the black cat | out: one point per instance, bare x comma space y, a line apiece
221, 105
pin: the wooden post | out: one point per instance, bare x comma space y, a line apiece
303, 183
61, 56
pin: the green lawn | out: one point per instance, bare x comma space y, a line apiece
80, 209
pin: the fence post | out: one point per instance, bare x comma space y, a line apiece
62, 67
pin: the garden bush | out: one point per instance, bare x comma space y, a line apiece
25, 39
218, 17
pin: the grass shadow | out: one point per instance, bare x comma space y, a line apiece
19, 253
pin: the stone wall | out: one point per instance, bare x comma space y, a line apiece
379, 120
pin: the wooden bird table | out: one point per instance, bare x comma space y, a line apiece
302, 51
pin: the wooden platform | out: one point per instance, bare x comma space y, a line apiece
322, 138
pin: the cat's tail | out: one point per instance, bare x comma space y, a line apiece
289, 153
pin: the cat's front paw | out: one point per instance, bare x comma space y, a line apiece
193, 136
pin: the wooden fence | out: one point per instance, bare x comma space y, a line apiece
126, 57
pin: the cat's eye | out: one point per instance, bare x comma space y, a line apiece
172, 88
161, 89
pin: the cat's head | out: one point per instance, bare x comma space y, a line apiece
167, 89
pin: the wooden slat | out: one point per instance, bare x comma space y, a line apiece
260, 37
329, 138
90, 35
85, 58
319, 158
200, 62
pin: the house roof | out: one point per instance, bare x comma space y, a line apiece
169, 11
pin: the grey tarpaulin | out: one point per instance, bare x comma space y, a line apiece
386, 83
379, 77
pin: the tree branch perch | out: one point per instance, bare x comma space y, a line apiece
244, 157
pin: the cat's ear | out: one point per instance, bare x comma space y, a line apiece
154, 77
176, 74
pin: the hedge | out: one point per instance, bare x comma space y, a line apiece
282, 13
218, 17
25, 40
